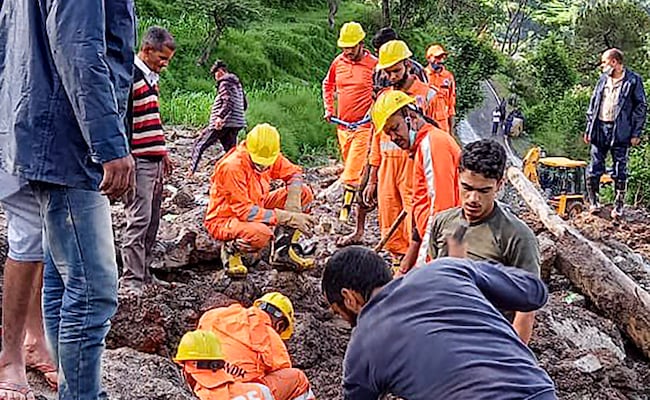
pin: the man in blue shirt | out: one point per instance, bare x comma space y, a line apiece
65, 73
436, 332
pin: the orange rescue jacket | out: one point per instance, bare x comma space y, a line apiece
435, 174
351, 82
220, 385
251, 346
446, 83
238, 190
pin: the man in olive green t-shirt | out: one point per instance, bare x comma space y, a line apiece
494, 233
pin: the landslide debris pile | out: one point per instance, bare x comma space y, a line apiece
584, 353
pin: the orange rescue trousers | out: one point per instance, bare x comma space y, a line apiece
394, 195
256, 234
354, 147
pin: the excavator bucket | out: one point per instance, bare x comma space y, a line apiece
288, 253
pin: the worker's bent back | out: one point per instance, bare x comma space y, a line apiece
441, 336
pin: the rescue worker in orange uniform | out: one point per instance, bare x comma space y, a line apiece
350, 81
390, 178
252, 342
204, 369
242, 210
436, 157
444, 80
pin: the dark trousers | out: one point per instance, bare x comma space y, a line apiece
599, 149
210, 136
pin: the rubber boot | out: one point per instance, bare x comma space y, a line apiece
593, 187
619, 201
348, 198
232, 261
287, 254
395, 263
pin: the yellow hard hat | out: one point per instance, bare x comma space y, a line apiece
435, 50
351, 34
199, 346
392, 52
387, 104
282, 303
263, 144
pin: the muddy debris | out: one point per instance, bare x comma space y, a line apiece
585, 354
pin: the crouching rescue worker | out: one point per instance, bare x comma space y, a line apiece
391, 166
435, 333
252, 342
350, 81
494, 233
204, 370
242, 210
436, 156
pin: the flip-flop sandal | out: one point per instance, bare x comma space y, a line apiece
23, 390
46, 369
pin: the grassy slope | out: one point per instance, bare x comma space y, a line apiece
281, 60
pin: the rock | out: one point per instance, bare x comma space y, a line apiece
130, 375
588, 364
548, 254
183, 198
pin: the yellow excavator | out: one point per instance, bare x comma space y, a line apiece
562, 180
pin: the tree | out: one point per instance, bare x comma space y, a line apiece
224, 14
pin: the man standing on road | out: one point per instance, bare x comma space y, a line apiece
435, 163
227, 117
615, 120
494, 233
434, 333
350, 81
65, 74
152, 162
442, 79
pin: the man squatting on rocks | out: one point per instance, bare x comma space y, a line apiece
73, 159
152, 163
253, 345
615, 120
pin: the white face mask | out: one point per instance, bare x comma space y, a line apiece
412, 132
608, 70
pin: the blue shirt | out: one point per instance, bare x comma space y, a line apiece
65, 74
436, 334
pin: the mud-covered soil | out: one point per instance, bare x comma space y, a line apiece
585, 354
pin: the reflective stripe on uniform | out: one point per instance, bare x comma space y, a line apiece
389, 146
430, 95
308, 395
268, 214
253, 213
427, 160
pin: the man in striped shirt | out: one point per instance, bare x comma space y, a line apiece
142, 204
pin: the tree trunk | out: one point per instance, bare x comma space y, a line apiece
385, 12
333, 9
614, 293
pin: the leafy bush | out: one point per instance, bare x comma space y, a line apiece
558, 125
639, 175
554, 75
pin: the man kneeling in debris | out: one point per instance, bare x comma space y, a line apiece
205, 370
252, 342
242, 209
435, 333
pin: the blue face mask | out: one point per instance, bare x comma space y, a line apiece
436, 66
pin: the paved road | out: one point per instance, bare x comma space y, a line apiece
478, 123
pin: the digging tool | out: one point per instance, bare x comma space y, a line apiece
391, 231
